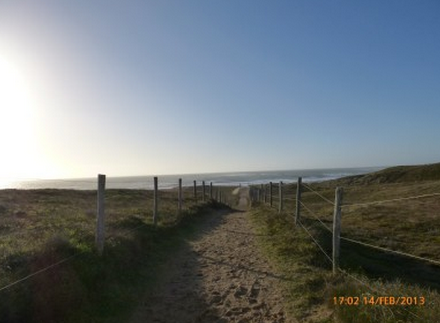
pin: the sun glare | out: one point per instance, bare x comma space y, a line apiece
17, 140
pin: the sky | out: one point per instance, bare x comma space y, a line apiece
171, 87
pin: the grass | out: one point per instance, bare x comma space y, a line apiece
410, 226
291, 251
39, 228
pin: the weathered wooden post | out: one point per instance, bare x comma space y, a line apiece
257, 194
210, 190
281, 204
270, 194
298, 200
262, 193
155, 200
100, 221
180, 197
337, 228
195, 191
265, 194
203, 191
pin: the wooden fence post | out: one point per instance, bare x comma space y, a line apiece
298, 200
271, 194
337, 229
155, 200
210, 190
100, 221
203, 191
280, 206
179, 197
195, 191
265, 194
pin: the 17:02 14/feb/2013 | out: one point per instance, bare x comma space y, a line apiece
379, 300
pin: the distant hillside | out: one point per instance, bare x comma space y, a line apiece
397, 174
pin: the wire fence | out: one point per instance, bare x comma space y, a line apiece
391, 200
338, 206
45, 214
300, 204
346, 273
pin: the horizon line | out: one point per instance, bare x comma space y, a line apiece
187, 174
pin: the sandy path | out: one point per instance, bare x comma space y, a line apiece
219, 277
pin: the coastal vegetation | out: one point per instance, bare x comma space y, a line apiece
407, 220
50, 270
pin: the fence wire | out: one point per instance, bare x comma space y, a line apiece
391, 200
317, 193
275, 195
108, 237
65, 260
316, 217
436, 262
316, 242
40, 271
378, 292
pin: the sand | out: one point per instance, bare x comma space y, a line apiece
219, 277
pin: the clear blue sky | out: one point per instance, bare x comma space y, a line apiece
160, 87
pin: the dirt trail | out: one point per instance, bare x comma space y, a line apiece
219, 277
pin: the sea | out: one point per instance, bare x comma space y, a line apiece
171, 181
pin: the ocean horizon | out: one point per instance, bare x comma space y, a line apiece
171, 181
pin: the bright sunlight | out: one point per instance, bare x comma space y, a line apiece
17, 136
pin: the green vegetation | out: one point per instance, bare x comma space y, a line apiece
298, 259
410, 226
397, 174
39, 228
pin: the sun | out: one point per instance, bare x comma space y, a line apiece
17, 140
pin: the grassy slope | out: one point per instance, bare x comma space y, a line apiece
41, 227
397, 174
410, 226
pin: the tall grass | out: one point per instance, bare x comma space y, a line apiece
39, 228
